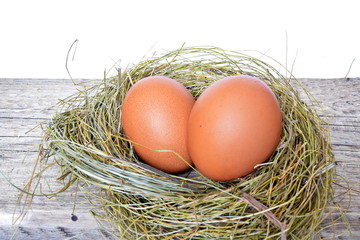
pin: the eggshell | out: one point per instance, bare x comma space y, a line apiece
155, 113
234, 125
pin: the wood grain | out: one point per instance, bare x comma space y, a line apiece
25, 103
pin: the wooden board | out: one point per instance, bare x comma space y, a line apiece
25, 103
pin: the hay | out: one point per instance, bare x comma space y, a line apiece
284, 198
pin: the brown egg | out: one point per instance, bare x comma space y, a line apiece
155, 113
234, 125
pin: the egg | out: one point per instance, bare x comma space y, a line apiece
234, 125
154, 116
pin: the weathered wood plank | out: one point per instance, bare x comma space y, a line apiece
25, 103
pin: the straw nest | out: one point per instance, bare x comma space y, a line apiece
284, 198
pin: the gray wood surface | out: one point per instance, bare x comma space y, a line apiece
25, 103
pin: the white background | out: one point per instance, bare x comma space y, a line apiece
321, 38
